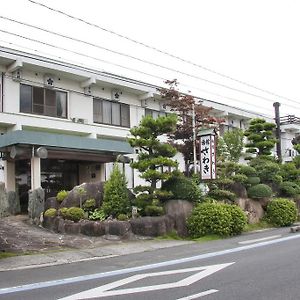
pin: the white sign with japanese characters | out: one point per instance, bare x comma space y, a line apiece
208, 157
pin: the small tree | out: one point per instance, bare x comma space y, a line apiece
154, 155
234, 141
115, 197
260, 137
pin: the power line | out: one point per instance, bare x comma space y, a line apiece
138, 59
160, 51
143, 83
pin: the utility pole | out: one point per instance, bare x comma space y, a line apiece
278, 132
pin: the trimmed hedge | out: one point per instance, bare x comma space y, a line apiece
51, 212
281, 212
289, 189
182, 188
216, 218
75, 214
61, 195
259, 191
219, 194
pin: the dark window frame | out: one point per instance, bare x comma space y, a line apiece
155, 113
41, 106
100, 118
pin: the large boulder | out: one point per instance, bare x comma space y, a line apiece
36, 202
239, 189
179, 211
92, 228
83, 192
119, 228
253, 209
4, 205
51, 203
152, 226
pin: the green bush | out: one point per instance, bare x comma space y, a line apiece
259, 191
116, 197
63, 212
289, 189
289, 171
122, 217
281, 212
89, 204
182, 188
266, 169
253, 180
50, 212
241, 178
239, 219
75, 214
154, 210
209, 218
221, 194
61, 195
97, 215
247, 170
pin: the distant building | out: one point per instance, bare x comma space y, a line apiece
63, 124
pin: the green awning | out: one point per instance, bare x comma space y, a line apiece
45, 139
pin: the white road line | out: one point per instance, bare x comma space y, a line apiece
260, 240
195, 296
57, 282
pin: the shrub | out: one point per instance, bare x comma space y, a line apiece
209, 218
281, 212
61, 195
89, 204
266, 169
63, 212
182, 188
289, 189
97, 215
241, 178
122, 217
259, 191
51, 212
289, 171
221, 194
239, 219
247, 170
154, 210
253, 180
75, 214
115, 197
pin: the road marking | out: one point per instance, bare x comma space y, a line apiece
46, 284
106, 290
195, 296
260, 240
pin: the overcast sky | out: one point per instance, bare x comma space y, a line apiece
253, 41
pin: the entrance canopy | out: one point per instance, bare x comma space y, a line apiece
57, 144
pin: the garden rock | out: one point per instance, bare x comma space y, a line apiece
119, 228
71, 227
253, 209
51, 203
152, 226
92, 228
36, 202
4, 205
238, 189
179, 211
50, 223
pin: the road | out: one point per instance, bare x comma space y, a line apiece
260, 266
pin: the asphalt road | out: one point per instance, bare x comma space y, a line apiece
258, 266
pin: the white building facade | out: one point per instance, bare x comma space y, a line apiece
62, 124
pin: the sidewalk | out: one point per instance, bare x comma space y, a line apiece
18, 235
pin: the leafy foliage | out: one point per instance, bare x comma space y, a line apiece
215, 218
50, 212
266, 170
63, 212
182, 188
220, 194
89, 204
289, 189
260, 137
281, 212
289, 172
234, 143
75, 214
97, 215
61, 195
259, 191
115, 197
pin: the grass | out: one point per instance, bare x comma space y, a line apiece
257, 226
207, 238
8, 254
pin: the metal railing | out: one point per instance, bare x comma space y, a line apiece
289, 119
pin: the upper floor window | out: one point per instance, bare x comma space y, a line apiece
112, 113
154, 113
41, 101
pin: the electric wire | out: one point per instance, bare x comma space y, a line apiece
138, 59
159, 50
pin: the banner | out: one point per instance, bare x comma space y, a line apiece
208, 157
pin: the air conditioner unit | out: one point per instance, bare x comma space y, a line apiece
145, 103
82, 121
116, 95
17, 75
49, 80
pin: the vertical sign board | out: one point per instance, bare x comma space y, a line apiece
208, 157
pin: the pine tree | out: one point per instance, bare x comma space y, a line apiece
115, 198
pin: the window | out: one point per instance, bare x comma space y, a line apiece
112, 113
154, 113
41, 101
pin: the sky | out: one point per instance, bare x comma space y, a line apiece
208, 44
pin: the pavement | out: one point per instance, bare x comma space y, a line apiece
39, 247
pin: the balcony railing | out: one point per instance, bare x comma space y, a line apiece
290, 119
